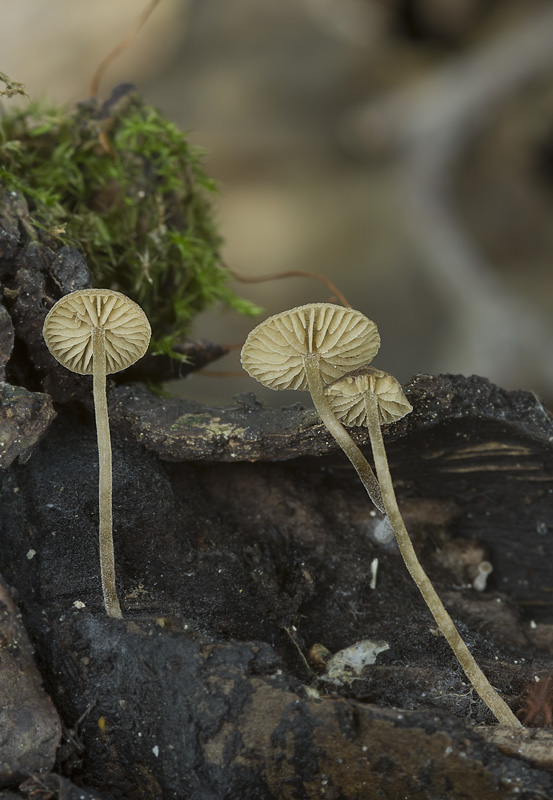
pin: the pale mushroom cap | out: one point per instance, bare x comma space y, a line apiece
340, 338
70, 322
347, 396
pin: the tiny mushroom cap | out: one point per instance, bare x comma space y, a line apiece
339, 338
347, 396
68, 330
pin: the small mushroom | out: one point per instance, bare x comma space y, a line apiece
484, 570
371, 397
309, 345
98, 332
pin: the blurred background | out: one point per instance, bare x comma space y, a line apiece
401, 148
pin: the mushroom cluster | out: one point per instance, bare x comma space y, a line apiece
302, 348
311, 345
98, 332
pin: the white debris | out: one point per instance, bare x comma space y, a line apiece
383, 534
348, 664
374, 571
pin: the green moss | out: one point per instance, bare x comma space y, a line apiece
190, 421
123, 185
207, 422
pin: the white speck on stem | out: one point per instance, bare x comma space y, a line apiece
374, 571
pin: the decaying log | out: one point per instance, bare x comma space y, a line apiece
230, 571
177, 430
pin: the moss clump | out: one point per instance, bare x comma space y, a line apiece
123, 185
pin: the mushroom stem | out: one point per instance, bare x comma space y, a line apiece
473, 672
337, 430
107, 558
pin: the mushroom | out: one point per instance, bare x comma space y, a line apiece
98, 332
309, 345
368, 396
